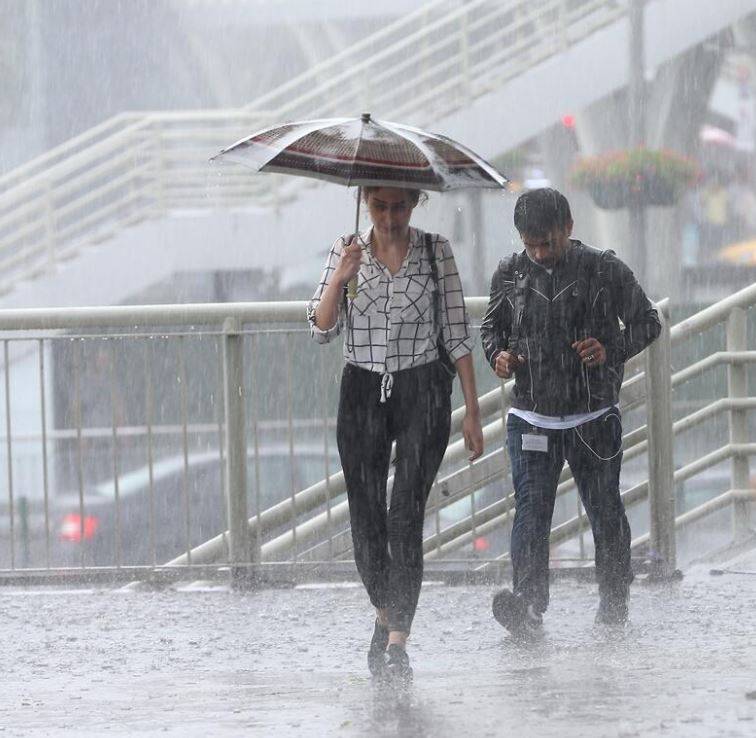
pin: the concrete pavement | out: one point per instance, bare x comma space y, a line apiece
204, 661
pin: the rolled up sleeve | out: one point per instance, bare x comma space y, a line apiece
320, 335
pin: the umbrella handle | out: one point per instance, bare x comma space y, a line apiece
352, 288
352, 284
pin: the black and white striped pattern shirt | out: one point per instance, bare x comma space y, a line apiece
391, 322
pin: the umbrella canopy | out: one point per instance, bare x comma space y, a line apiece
364, 152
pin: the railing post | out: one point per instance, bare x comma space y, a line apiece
49, 210
661, 466
737, 385
236, 452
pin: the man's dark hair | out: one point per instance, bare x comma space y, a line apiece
538, 212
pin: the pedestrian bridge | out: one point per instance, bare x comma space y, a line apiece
198, 404
193, 661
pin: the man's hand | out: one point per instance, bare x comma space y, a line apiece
591, 351
473, 435
349, 263
506, 364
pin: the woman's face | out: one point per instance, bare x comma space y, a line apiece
390, 210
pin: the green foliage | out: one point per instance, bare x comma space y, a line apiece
632, 167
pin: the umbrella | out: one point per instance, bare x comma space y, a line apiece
359, 152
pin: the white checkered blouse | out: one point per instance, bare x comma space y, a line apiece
391, 320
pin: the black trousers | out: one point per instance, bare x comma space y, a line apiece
593, 451
388, 545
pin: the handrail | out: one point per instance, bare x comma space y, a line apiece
457, 480
713, 314
495, 402
22, 172
735, 405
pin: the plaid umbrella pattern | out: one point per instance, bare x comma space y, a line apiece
361, 152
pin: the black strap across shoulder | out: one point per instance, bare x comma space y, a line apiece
521, 276
443, 354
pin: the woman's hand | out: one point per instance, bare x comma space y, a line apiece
349, 263
471, 430
327, 311
473, 434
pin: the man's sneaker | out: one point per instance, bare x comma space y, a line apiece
398, 668
612, 610
377, 651
515, 614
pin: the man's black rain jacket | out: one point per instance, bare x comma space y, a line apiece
540, 315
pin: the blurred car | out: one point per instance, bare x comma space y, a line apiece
157, 515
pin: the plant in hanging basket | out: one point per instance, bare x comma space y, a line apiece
620, 179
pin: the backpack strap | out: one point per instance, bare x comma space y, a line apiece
443, 354
431, 257
521, 280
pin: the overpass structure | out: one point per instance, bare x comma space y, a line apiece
83, 223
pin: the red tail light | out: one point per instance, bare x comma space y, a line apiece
481, 544
71, 527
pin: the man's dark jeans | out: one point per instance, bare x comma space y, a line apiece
593, 451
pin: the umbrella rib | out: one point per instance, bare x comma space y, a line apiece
354, 158
475, 158
309, 126
482, 163
419, 143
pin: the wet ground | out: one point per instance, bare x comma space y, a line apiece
203, 661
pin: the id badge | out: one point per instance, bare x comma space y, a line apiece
535, 442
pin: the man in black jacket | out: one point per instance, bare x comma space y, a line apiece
553, 322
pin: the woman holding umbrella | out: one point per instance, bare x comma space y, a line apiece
406, 330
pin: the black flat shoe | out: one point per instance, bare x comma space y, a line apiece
398, 669
377, 652
612, 611
514, 613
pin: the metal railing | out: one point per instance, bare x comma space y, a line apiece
137, 166
143, 423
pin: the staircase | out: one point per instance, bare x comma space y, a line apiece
491, 73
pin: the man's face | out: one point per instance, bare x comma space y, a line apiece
547, 249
